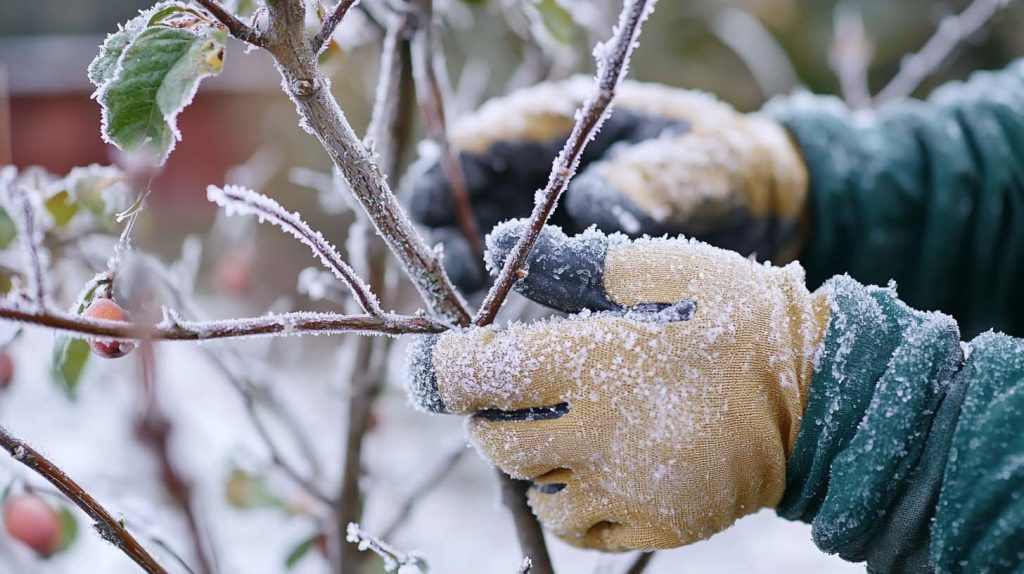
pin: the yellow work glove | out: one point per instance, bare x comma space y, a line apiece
667, 161
661, 411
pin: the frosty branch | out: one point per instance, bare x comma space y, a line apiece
111, 529
612, 66
176, 329
323, 37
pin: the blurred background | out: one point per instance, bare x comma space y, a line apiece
242, 128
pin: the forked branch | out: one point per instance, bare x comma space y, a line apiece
110, 528
612, 65
236, 27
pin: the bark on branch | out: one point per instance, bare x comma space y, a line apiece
110, 528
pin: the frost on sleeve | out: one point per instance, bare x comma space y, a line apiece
866, 452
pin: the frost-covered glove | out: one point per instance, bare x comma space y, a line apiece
659, 413
667, 161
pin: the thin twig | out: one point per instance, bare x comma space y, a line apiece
426, 70
153, 428
176, 329
236, 199
952, 30
430, 482
110, 529
323, 37
612, 66
528, 530
236, 27
640, 563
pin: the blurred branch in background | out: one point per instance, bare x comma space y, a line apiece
850, 55
951, 32
748, 38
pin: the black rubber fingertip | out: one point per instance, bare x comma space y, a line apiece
461, 264
592, 199
564, 273
422, 385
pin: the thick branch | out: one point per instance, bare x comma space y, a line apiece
330, 24
236, 27
110, 528
323, 117
612, 66
297, 323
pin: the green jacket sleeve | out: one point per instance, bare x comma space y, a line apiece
930, 194
910, 455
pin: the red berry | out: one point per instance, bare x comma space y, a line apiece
107, 310
6, 370
33, 522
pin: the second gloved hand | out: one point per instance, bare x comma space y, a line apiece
659, 413
667, 161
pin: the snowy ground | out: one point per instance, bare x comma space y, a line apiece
459, 528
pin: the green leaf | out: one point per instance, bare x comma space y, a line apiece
68, 529
300, 550
69, 358
156, 78
61, 208
557, 20
103, 66
244, 490
7, 229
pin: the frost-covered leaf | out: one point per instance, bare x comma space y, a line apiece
299, 551
103, 191
68, 528
157, 76
69, 358
556, 19
102, 68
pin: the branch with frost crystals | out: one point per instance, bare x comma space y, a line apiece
525, 567
24, 212
850, 55
952, 30
236, 27
323, 37
176, 329
393, 558
238, 200
109, 528
322, 117
430, 96
612, 66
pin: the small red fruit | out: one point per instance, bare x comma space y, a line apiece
107, 310
6, 370
33, 522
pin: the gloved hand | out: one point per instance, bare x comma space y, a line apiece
667, 161
659, 413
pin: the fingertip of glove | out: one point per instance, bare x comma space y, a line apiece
594, 199
562, 272
424, 394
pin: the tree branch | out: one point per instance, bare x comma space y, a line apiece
236, 27
322, 116
323, 37
612, 66
640, 563
236, 199
109, 528
176, 329
431, 100
952, 30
